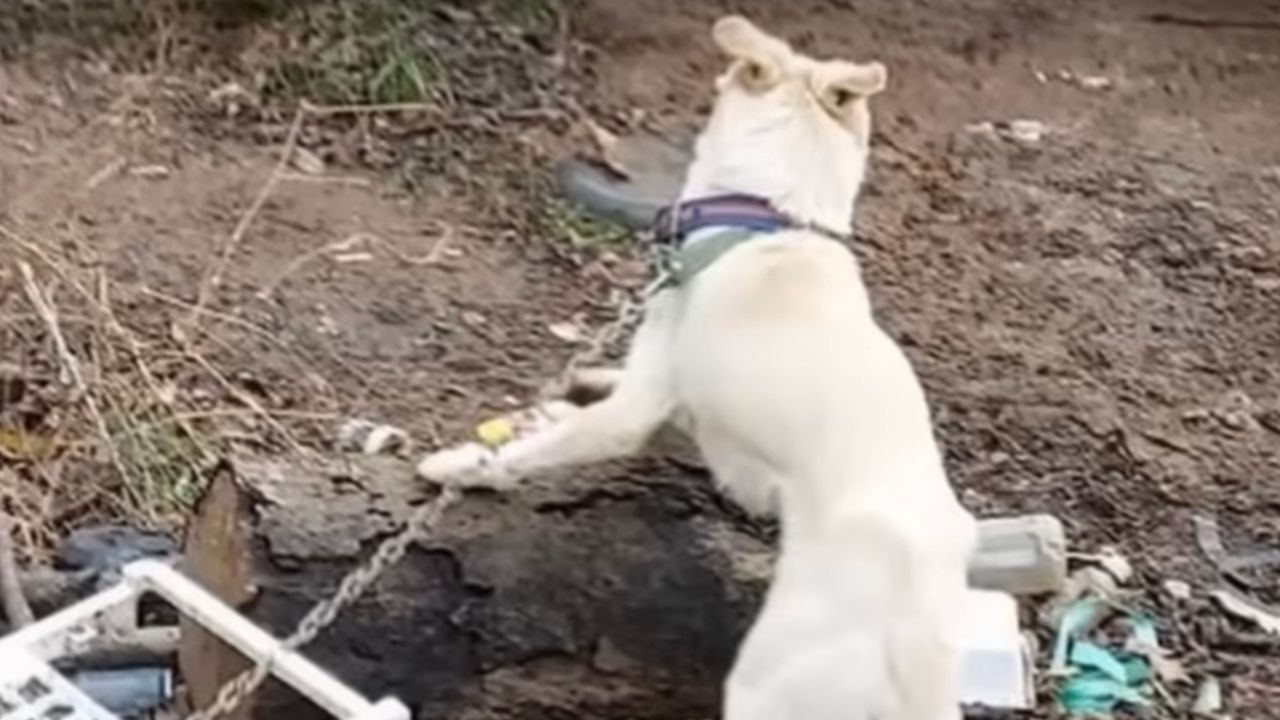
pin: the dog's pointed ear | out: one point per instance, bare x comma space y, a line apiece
759, 58
839, 85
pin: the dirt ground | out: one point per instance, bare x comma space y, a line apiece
1091, 302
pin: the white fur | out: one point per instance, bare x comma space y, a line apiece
800, 404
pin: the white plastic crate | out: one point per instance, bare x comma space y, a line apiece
32, 689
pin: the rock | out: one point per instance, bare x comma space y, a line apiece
627, 588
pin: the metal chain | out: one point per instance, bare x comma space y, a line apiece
323, 614
627, 310
234, 691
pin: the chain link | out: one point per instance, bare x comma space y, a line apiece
627, 311
323, 614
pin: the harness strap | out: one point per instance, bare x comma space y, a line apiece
741, 218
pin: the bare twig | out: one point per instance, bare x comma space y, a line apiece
16, 608
69, 362
214, 276
281, 172
322, 110
1210, 23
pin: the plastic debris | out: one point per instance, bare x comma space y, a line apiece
1098, 679
129, 693
1113, 562
1146, 642
1246, 608
1020, 555
1089, 581
997, 669
1209, 537
372, 438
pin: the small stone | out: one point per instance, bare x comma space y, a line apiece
610, 660
566, 331
1177, 589
307, 161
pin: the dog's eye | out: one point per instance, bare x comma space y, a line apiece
754, 72
841, 97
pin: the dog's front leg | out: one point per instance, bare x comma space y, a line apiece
614, 427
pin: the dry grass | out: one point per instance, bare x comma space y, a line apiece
107, 415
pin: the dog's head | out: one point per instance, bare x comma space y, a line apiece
786, 126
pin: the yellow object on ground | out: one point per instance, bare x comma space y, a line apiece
496, 431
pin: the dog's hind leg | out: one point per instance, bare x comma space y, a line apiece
615, 427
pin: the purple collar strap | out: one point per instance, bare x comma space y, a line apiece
731, 211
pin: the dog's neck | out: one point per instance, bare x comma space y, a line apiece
810, 196
806, 208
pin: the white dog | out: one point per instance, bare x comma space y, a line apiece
799, 401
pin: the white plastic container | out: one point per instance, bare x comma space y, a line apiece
997, 669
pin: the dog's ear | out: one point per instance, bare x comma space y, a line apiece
759, 58
839, 85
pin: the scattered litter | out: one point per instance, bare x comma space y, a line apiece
1078, 618
1246, 608
1089, 581
1177, 589
1145, 642
1109, 559
1023, 131
1113, 562
150, 172
997, 672
566, 331
127, 692
372, 438
1027, 131
307, 161
1208, 697
1209, 537
1099, 679
1022, 555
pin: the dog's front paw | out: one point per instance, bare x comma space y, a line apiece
466, 465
